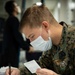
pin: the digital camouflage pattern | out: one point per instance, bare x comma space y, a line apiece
61, 58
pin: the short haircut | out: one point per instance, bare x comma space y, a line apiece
9, 7
35, 15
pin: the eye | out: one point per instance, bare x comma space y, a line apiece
32, 36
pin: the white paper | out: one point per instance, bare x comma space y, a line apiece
2, 70
32, 66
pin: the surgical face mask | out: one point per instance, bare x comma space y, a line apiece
40, 44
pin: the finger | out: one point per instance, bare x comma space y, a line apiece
7, 72
44, 71
14, 73
37, 71
41, 73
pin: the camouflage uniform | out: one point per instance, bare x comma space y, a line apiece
61, 58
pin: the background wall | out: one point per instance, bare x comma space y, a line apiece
61, 9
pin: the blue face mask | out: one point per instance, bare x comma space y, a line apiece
40, 44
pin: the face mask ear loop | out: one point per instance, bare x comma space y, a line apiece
41, 31
49, 34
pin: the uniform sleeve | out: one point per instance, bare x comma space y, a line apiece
44, 61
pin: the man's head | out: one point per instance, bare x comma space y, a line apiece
36, 21
35, 15
40, 27
11, 7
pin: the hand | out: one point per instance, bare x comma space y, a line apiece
31, 49
45, 72
14, 71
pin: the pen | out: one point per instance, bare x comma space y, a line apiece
9, 69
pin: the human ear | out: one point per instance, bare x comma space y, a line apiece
45, 25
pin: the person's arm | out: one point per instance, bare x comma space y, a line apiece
45, 61
18, 36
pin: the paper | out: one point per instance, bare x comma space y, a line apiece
2, 70
32, 66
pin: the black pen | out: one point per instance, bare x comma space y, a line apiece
9, 69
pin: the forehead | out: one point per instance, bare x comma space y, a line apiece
27, 30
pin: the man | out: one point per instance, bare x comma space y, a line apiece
40, 26
12, 38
